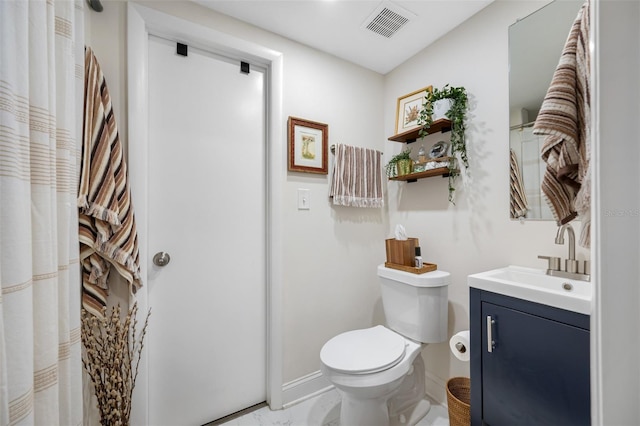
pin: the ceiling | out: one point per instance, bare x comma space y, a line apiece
336, 26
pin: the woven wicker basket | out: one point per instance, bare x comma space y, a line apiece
458, 399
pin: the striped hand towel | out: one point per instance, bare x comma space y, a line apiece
356, 180
107, 229
564, 119
519, 205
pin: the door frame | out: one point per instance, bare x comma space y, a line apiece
142, 21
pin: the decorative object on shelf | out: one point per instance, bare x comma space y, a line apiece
457, 114
422, 155
400, 164
440, 108
437, 163
111, 359
308, 146
409, 109
404, 167
439, 149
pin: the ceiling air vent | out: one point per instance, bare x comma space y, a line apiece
387, 19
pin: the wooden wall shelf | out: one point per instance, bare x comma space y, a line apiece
441, 125
412, 177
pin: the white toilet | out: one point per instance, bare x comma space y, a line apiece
379, 371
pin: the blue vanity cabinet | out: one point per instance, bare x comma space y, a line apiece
529, 363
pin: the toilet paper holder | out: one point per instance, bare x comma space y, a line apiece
460, 345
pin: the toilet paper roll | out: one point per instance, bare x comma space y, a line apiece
461, 345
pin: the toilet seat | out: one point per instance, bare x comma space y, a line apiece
364, 351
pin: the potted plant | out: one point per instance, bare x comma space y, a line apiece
400, 164
457, 114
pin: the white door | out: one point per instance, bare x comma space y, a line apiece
207, 186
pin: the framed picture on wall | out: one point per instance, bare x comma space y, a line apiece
408, 110
308, 146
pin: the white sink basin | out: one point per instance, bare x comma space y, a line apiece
535, 285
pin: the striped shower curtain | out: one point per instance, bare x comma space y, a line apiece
41, 78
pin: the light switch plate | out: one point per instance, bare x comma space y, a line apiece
304, 199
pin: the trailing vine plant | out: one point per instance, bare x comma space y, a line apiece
458, 115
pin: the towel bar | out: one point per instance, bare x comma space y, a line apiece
333, 149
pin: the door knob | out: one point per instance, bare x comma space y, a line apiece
161, 258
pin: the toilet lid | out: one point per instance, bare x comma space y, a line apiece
363, 351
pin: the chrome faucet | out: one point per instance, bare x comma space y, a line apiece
571, 263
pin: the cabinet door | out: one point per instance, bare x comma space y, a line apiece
537, 372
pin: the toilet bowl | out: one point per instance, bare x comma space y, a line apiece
378, 371
370, 368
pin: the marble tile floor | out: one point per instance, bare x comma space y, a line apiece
321, 410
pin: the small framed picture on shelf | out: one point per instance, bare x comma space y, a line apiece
408, 110
308, 146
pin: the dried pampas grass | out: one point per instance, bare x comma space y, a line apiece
111, 358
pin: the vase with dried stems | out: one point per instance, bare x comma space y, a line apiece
111, 358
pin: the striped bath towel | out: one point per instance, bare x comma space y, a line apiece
564, 119
356, 180
107, 229
519, 205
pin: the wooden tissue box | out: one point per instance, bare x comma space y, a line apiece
402, 252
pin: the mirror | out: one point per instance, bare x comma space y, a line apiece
535, 47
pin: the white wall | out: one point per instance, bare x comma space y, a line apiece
476, 234
330, 253
617, 340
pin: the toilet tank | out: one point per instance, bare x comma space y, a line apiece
416, 305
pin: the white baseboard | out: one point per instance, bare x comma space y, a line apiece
304, 388
313, 384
